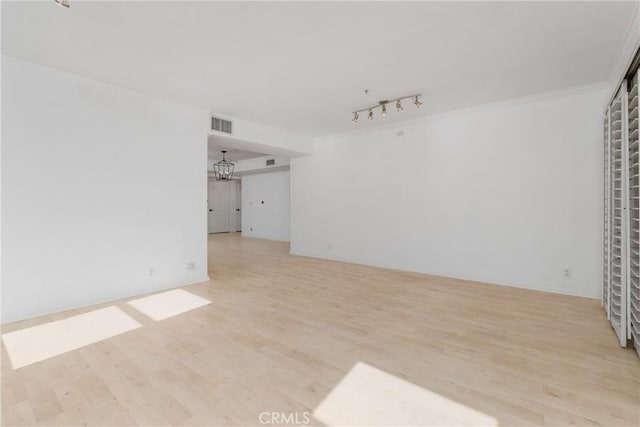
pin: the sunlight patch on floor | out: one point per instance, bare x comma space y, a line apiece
42, 342
367, 396
168, 304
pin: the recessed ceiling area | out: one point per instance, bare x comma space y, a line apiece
232, 154
304, 66
237, 149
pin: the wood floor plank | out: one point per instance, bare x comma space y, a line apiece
19, 414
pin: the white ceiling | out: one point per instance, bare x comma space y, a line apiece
233, 154
303, 66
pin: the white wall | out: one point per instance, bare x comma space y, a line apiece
268, 220
508, 194
99, 185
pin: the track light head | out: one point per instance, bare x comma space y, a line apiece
370, 116
355, 117
417, 101
63, 3
384, 108
399, 106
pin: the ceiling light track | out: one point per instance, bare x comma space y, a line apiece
383, 106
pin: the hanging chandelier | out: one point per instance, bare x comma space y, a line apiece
383, 106
223, 170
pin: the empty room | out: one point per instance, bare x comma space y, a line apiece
322, 213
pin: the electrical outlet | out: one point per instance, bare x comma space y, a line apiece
151, 272
191, 266
329, 247
566, 273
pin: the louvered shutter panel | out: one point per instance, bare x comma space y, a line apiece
618, 168
633, 293
607, 216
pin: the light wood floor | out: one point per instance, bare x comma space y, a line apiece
282, 331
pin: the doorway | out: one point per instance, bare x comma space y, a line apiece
238, 206
224, 206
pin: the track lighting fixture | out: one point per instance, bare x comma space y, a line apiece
383, 106
63, 3
223, 170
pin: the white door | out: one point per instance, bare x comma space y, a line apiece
238, 209
219, 206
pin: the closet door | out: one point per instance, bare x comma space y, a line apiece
607, 216
619, 244
633, 292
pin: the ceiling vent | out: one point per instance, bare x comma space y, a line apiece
221, 125
271, 162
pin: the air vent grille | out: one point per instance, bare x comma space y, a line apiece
221, 125
271, 162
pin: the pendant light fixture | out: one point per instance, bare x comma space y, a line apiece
223, 170
383, 106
